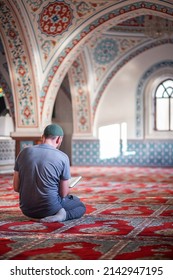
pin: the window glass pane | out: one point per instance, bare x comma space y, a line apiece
162, 114
168, 83
165, 94
160, 91
169, 91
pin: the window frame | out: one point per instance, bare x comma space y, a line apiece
149, 107
169, 96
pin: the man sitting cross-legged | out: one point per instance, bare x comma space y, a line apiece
41, 176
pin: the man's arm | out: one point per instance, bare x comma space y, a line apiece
16, 181
64, 188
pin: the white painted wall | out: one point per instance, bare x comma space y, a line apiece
118, 103
6, 125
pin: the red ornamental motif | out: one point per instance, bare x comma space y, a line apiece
12, 34
133, 8
27, 112
21, 71
111, 15
45, 89
55, 18
153, 7
55, 68
83, 120
164, 10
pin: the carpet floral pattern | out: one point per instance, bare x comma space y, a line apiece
129, 216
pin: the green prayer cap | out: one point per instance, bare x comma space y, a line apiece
53, 130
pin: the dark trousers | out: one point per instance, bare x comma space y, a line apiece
74, 207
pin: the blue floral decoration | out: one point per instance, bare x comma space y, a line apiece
105, 51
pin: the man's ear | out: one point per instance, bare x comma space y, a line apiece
57, 139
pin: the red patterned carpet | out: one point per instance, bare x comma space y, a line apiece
129, 216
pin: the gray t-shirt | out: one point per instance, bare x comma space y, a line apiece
41, 167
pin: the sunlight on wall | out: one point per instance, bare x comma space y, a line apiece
113, 141
109, 137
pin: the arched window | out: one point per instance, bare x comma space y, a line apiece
163, 103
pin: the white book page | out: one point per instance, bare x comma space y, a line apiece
74, 180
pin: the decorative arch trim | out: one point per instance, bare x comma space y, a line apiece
22, 79
111, 15
122, 63
80, 98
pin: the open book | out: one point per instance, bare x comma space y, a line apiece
74, 180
